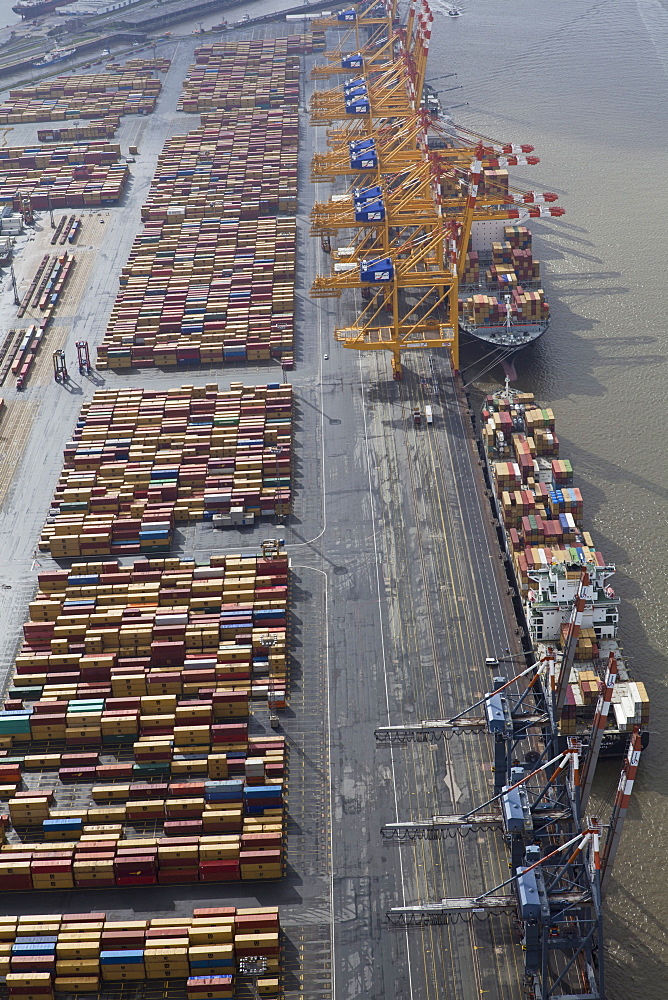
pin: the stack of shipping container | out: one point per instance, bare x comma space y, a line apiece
86, 953
141, 460
204, 291
67, 176
511, 280
73, 97
102, 128
253, 74
210, 280
237, 164
153, 666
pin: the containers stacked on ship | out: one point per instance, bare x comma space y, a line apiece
541, 518
501, 302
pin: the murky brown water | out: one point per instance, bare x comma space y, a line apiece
587, 85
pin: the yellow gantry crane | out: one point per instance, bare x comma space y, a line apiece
409, 193
409, 209
354, 52
368, 13
403, 199
388, 91
370, 152
376, 53
411, 288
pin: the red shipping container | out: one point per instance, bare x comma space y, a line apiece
189, 789
33, 963
114, 771
181, 828
215, 911
219, 871
137, 879
148, 791
176, 876
265, 921
73, 774
51, 867
49, 707
260, 857
222, 733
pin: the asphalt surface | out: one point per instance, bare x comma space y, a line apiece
398, 596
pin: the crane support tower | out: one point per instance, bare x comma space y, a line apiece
408, 213
559, 868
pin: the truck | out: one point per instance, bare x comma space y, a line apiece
429, 415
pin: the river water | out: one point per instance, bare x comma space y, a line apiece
7, 15
587, 85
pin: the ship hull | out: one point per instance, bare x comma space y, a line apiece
615, 743
42, 64
513, 338
36, 10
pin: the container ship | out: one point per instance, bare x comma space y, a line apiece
35, 8
55, 56
555, 562
501, 302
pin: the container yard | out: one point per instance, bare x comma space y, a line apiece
85, 953
229, 76
62, 176
195, 720
148, 719
82, 96
142, 461
236, 164
204, 291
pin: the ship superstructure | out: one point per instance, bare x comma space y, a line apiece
55, 56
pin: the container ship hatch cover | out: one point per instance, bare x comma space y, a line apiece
540, 519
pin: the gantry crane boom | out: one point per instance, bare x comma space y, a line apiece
387, 92
363, 14
620, 807
598, 730
353, 54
